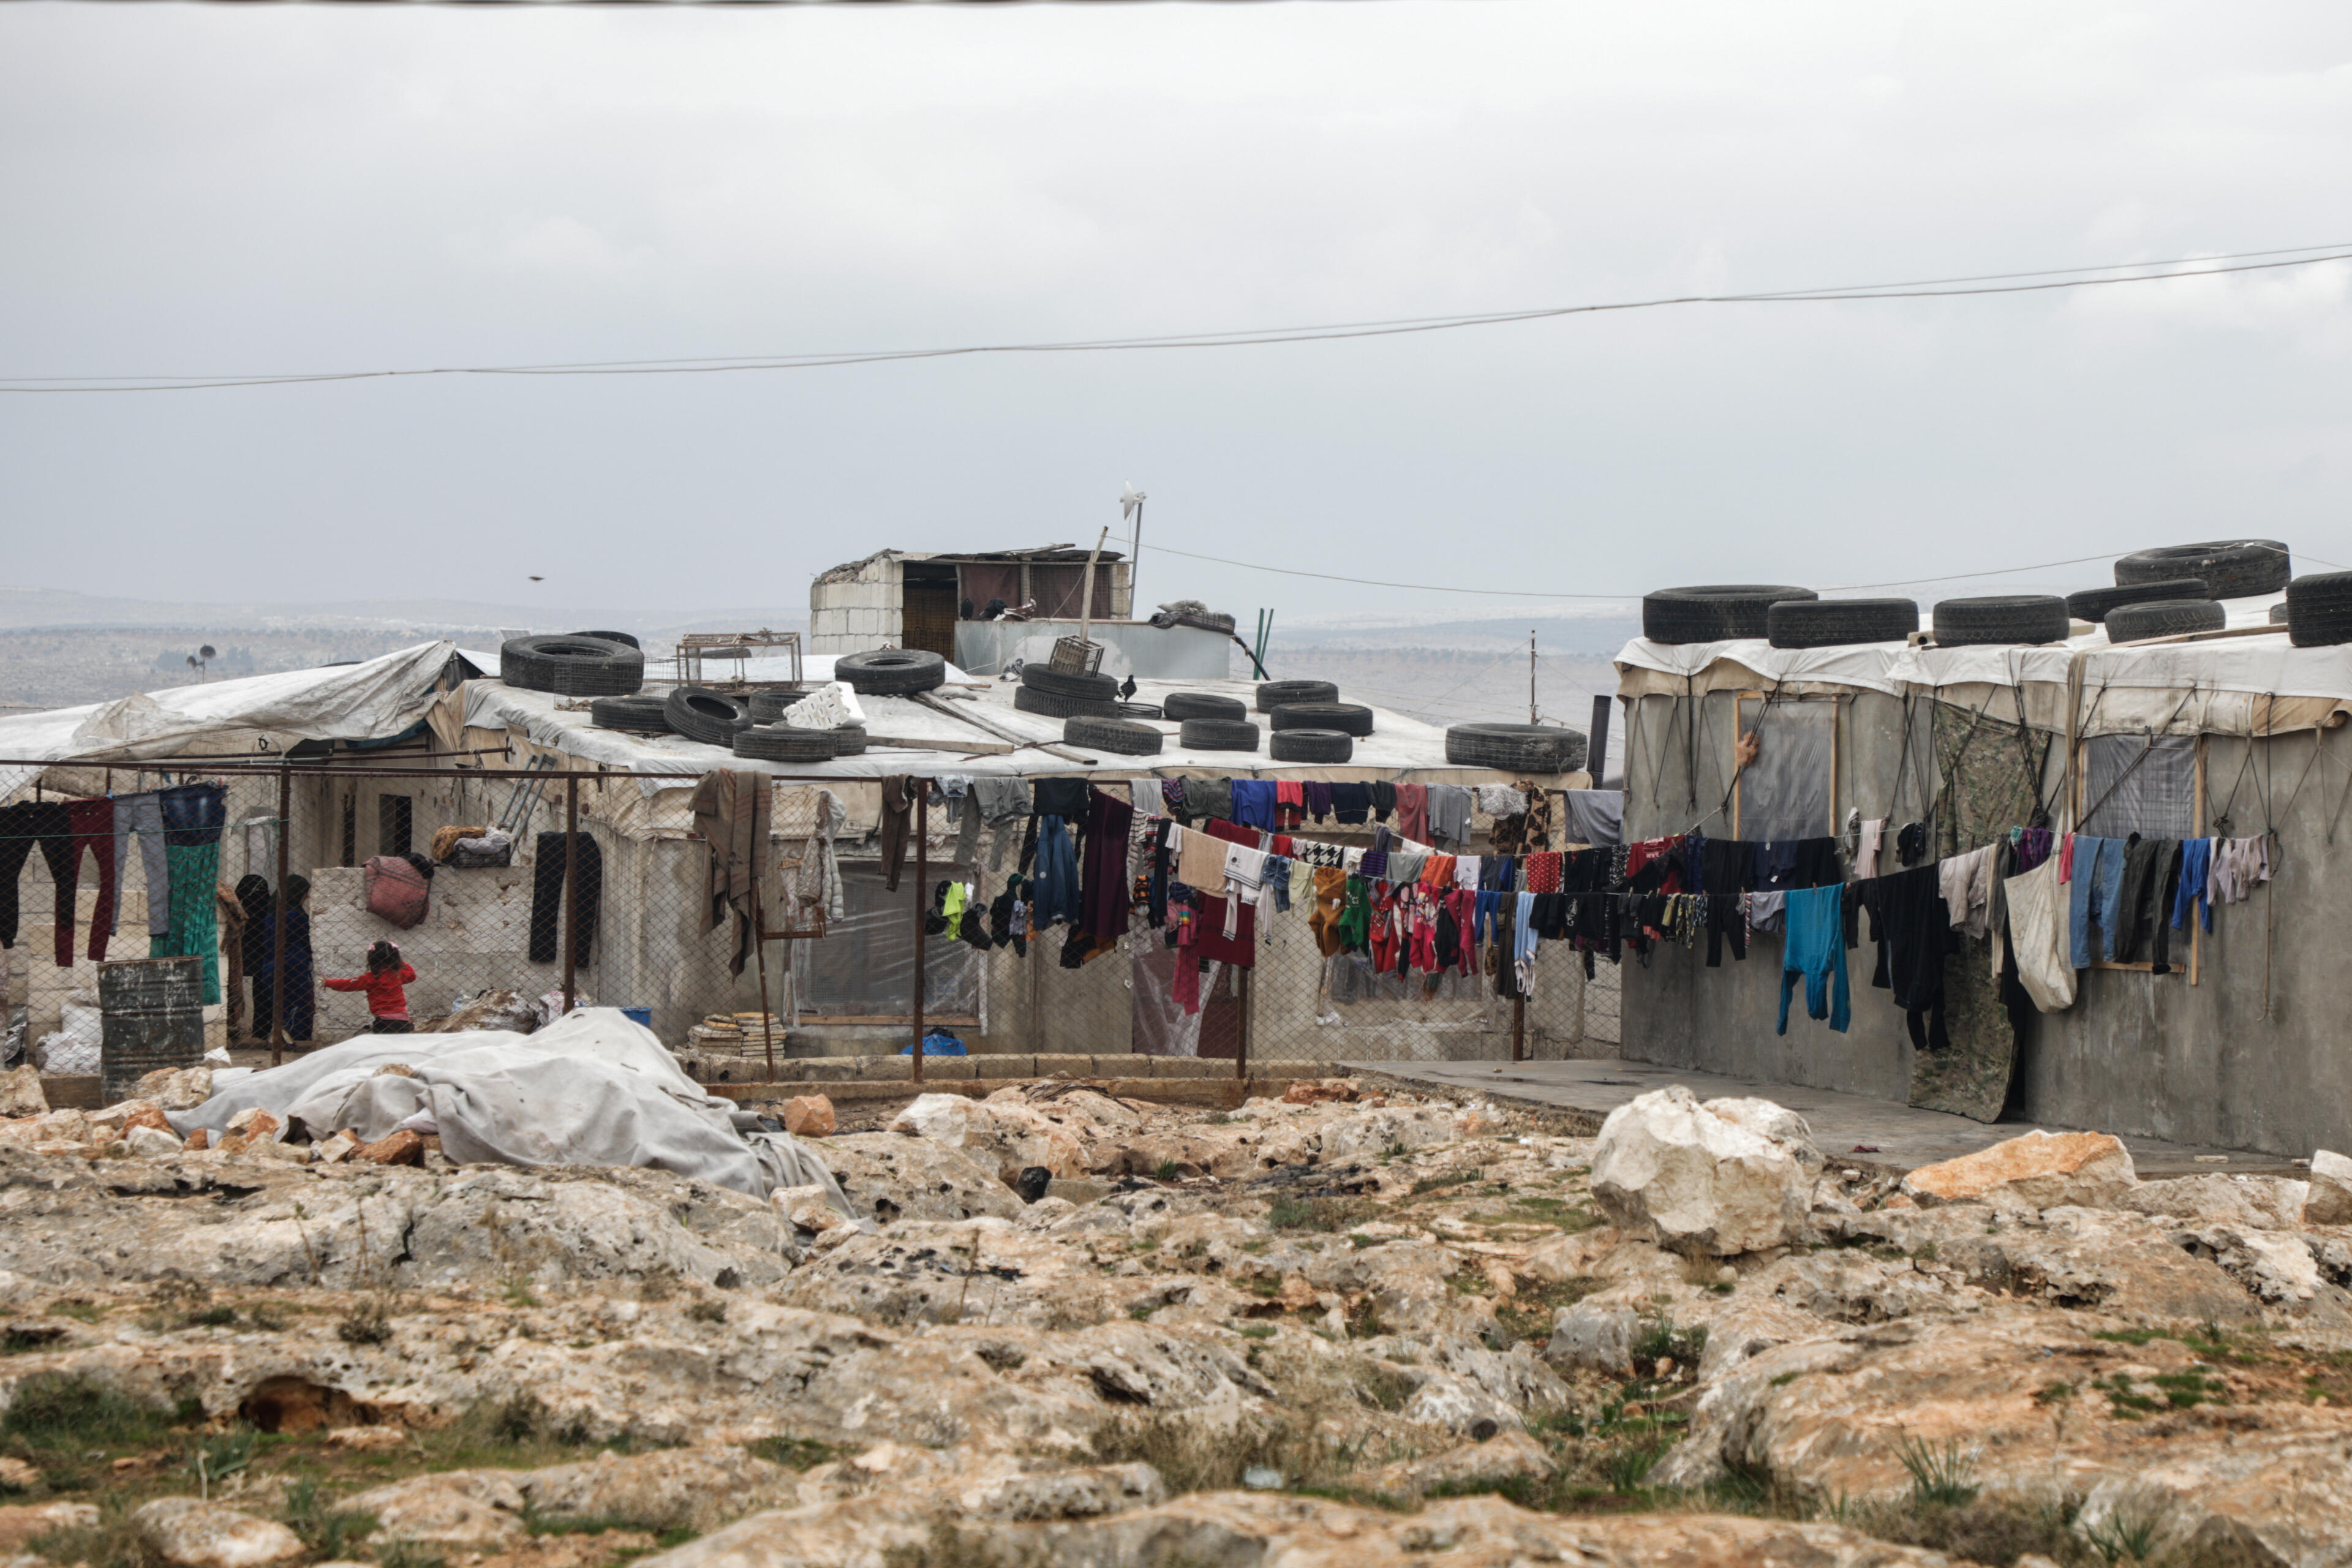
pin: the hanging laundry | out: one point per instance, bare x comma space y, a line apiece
1412, 810
2238, 865
1351, 801
1911, 842
1501, 800
1764, 911
1201, 860
1210, 798
1055, 892
1318, 799
2196, 866
1522, 942
1254, 802
1145, 796
2095, 898
1816, 951
1596, 816
1384, 798
2151, 870
897, 803
1967, 884
1290, 804
1866, 853
193, 817
1449, 816
1912, 925
92, 822
2038, 938
1105, 890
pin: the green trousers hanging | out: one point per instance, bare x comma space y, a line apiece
195, 911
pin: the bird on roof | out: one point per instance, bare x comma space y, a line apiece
1127, 690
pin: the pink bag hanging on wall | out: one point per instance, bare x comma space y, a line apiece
396, 891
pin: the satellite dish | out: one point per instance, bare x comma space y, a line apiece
205, 651
191, 661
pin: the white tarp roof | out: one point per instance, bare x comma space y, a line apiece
1397, 747
374, 699
2224, 685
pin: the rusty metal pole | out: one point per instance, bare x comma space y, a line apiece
922, 904
277, 925
1241, 1019
570, 888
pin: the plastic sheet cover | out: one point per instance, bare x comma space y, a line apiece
865, 967
1785, 792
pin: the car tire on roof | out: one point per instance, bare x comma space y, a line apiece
1347, 718
1217, 735
1182, 705
572, 665
1310, 746
699, 713
2093, 603
1054, 683
1124, 736
783, 743
638, 715
1840, 622
848, 740
2319, 609
2231, 568
1046, 705
624, 638
2164, 618
891, 672
2001, 618
2278, 614
1716, 611
1273, 694
1516, 748
768, 704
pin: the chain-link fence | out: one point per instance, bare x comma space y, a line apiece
505, 888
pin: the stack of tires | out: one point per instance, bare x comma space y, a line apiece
1714, 612
1516, 748
1051, 694
705, 714
2178, 588
783, 743
2002, 619
1123, 736
576, 665
634, 715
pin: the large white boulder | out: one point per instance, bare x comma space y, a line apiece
2329, 1202
1722, 1178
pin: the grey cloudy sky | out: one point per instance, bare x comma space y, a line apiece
202, 189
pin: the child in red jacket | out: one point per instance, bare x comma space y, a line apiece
387, 1002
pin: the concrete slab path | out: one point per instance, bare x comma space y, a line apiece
1902, 1137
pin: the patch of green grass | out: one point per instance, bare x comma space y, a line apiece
1442, 1179
1165, 1171
55, 1409
333, 1533
1319, 1214
519, 1294
794, 1453
2130, 1336
1785, 1379
80, 1310
366, 1325
1661, 1340
1256, 1330
109, 1543
706, 1311
1256, 1246
1533, 1303
21, 1337
2123, 1402
1626, 1467
2051, 1393
2127, 1536
1945, 1477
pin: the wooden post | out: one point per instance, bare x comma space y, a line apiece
1519, 1027
570, 888
922, 904
277, 926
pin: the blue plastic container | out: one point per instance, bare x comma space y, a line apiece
639, 1016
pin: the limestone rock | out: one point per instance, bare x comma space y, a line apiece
671, 1489
199, 1141
893, 1178
148, 1143
1505, 1457
187, 1533
472, 1510
2037, 1171
254, 1123
809, 1116
17, 1475
176, 1088
2329, 1201
368, 1439
2264, 1203
1005, 1137
23, 1522
336, 1148
21, 1093
807, 1209
404, 1147
1707, 1183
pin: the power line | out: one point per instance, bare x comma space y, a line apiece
1989, 283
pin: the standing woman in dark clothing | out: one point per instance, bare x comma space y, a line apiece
301, 996
254, 897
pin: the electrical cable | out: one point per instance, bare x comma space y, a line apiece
1985, 284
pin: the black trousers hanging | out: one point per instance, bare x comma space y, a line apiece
547, 898
47, 823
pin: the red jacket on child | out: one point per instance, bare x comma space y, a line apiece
385, 997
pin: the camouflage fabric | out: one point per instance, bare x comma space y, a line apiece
1985, 775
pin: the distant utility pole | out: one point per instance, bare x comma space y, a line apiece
1532, 675
1131, 508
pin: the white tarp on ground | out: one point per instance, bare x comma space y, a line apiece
372, 700
591, 1089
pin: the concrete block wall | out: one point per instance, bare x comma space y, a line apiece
864, 613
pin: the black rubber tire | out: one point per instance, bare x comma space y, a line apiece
890, 671
1217, 735
1182, 705
1347, 718
768, 706
2231, 568
1516, 748
2001, 618
639, 715
2319, 609
1124, 736
622, 637
1273, 694
2091, 605
2279, 615
713, 718
1714, 612
783, 743
1086, 688
1840, 622
2165, 619
1029, 700
1310, 746
1141, 710
848, 740
571, 667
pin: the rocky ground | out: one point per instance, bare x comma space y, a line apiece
1358, 1326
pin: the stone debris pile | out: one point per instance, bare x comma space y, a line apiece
1358, 1324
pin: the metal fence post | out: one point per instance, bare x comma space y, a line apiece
1519, 1027
570, 888
1241, 1019
922, 905
277, 925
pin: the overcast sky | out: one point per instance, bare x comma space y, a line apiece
200, 189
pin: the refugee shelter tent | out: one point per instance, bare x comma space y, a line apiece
2232, 733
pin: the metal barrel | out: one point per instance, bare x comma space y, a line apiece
153, 1012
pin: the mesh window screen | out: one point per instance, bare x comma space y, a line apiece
1785, 792
2140, 783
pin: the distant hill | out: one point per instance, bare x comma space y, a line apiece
28, 608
